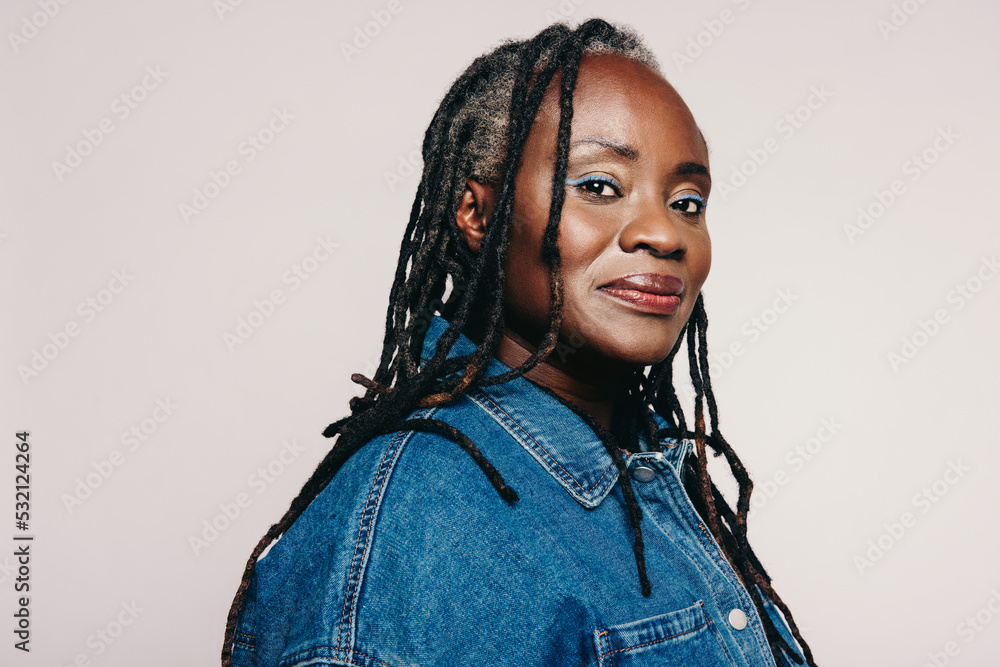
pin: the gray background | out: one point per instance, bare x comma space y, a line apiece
900, 426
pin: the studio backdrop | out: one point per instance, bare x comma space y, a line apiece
202, 205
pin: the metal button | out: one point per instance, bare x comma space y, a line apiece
737, 619
643, 474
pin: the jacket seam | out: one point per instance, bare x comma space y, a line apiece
348, 657
655, 641
716, 558
722, 644
366, 531
742, 594
362, 524
487, 403
690, 556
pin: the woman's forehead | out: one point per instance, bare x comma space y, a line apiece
614, 96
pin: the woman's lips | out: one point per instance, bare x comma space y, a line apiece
650, 292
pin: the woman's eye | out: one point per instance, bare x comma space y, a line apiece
598, 186
689, 205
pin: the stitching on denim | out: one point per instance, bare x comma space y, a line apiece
548, 455
510, 421
746, 601
681, 454
718, 560
249, 647
722, 644
655, 641
366, 523
665, 532
245, 640
349, 657
755, 622
361, 527
769, 607
536, 445
601, 644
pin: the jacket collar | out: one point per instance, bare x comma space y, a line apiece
554, 435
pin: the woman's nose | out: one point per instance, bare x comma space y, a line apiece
654, 227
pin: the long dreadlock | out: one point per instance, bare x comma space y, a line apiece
479, 131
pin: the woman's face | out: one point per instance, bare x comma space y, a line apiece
634, 247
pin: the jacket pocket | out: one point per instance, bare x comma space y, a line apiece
685, 637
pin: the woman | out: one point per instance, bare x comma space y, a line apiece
551, 268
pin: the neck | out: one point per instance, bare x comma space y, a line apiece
573, 377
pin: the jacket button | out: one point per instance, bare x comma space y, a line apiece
737, 619
643, 474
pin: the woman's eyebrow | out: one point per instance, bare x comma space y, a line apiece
623, 149
629, 152
691, 169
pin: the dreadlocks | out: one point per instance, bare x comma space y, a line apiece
479, 131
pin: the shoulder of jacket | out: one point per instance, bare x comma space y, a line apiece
370, 470
400, 489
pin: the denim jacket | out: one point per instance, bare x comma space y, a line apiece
410, 557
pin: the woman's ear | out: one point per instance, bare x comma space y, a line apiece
474, 210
